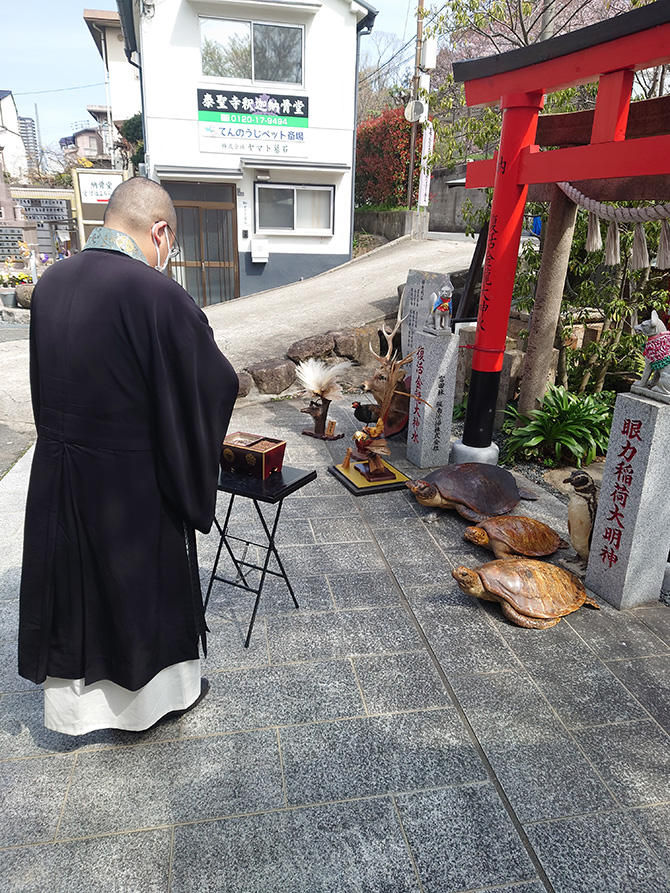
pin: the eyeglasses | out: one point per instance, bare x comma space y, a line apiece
176, 247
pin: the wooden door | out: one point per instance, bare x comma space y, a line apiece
208, 266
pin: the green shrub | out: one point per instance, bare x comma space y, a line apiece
566, 426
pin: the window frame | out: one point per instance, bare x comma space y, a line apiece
211, 78
295, 187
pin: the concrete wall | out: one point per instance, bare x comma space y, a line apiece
390, 224
282, 269
448, 194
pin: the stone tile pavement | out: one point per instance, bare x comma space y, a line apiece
391, 735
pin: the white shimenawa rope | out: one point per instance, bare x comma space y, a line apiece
620, 215
598, 211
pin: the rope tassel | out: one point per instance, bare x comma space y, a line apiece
640, 257
663, 257
612, 253
594, 240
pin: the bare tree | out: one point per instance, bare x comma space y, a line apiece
384, 67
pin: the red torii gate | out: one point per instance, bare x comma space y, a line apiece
609, 52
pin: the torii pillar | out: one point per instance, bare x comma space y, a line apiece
519, 125
609, 52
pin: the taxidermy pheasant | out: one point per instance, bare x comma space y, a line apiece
581, 511
320, 380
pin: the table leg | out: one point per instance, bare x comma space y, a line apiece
273, 549
222, 539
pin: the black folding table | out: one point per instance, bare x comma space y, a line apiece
273, 491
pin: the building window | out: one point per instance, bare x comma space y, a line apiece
303, 210
251, 51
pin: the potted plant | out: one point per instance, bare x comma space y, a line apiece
9, 280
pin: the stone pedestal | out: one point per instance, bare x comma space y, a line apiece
433, 379
461, 452
416, 304
631, 535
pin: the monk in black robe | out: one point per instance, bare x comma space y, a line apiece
132, 399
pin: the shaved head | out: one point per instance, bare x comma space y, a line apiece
136, 204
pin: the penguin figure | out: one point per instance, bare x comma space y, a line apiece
581, 512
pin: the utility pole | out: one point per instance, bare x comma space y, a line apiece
40, 150
415, 95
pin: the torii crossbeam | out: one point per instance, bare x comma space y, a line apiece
608, 52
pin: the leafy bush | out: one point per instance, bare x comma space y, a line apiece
565, 424
382, 160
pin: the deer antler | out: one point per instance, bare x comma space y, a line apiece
389, 337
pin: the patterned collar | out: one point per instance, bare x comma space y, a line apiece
113, 240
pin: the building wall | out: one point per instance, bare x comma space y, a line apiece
14, 152
124, 79
29, 137
52, 215
172, 75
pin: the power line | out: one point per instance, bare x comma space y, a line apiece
388, 62
59, 90
402, 48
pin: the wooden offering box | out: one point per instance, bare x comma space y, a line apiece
252, 454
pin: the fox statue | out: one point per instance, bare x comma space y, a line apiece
656, 375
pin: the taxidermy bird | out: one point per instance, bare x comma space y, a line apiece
581, 511
366, 412
320, 380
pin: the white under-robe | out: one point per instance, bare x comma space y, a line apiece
73, 708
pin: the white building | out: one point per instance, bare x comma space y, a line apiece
29, 136
122, 79
12, 149
249, 118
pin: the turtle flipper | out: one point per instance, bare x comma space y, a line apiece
589, 601
523, 620
563, 544
527, 494
470, 514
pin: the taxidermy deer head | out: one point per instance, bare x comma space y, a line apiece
387, 384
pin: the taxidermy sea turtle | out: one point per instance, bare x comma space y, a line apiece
477, 491
534, 594
510, 535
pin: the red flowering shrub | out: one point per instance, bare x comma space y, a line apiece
382, 160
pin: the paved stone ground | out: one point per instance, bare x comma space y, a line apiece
391, 735
14, 332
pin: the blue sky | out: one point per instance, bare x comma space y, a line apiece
47, 50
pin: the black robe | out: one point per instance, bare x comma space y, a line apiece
132, 399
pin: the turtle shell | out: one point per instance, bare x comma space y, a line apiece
526, 536
533, 588
486, 489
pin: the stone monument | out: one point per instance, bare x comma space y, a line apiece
433, 379
631, 534
417, 303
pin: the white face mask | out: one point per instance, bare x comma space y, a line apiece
160, 266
